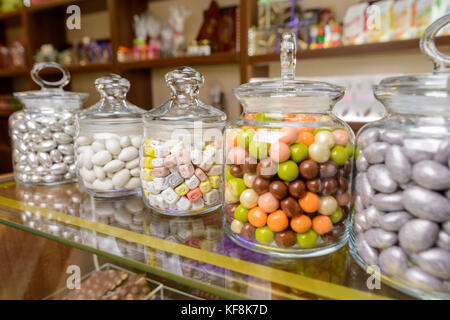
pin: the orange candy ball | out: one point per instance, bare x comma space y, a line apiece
288, 135
257, 217
310, 202
301, 223
277, 221
306, 137
322, 224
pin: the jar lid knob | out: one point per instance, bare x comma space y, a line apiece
288, 55
38, 67
184, 82
113, 86
428, 47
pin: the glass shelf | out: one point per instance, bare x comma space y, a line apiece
193, 251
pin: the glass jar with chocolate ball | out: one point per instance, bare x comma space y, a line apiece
402, 182
181, 154
288, 166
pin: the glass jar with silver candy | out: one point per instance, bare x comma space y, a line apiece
42, 132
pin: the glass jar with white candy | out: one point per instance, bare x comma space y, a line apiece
108, 140
42, 132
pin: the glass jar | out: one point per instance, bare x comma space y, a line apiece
108, 139
182, 155
288, 166
401, 221
42, 132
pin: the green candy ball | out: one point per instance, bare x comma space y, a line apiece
339, 155
244, 137
336, 216
288, 171
236, 186
299, 152
264, 235
259, 149
228, 175
349, 149
307, 239
241, 213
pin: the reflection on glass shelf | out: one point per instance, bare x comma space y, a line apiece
192, 251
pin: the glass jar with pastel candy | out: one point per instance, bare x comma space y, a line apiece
182, 150
288, 166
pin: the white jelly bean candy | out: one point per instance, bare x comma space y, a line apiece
87, 175
104, 185
129, 153
135, 172
136, 141
98, 145
121, 178
113, 146
86, 158
113, 166
125, 141
101, 158
132, 164
99, 173
83, 141
133, 183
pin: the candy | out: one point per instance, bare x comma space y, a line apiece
264, 235
121, 177
215, 170
324, 138
205, 186
288, 171
258, 149
297, 188
249, 198
186, 170
174, 179
426, 204
113, 166
310, 202
379, 238
340, 137
170, 161
339, 155
278, 189
309, 169
183, 204
285, 239
236, 155
181, 190
267, 168
307, 240
236, 171
277, 221
214, 181
393, 261
236, 186
431, 174
236, 226
160, 172
200, 174
241, 213
436, 262
257, 217
194, 195
244, 137
319, 152
279, 152
268, 202
299, 152
288, 135
211, 197
307, 138
418, 235
192, 182
170, 196
322, 224
328, 205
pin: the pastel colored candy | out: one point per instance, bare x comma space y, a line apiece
160, 172
194, 194
200, 174
186, 170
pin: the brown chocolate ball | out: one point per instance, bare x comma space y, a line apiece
314, 185
285, 239
309, 169
335, 233
236, 171
297, 188
249, 165
229, 211
342, 184
248, 232
260, 185
329, 169
330, 186
267, 168
346, 169
279, 189
343, 198
291, 207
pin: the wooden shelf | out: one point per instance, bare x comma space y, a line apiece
6, 113
13, 72
354, 50
215, 58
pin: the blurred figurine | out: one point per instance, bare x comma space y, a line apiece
177, 19
166, 40
153, 29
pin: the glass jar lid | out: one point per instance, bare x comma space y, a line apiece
51, 95
184, 104
421, 92
287, 92
113, 104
